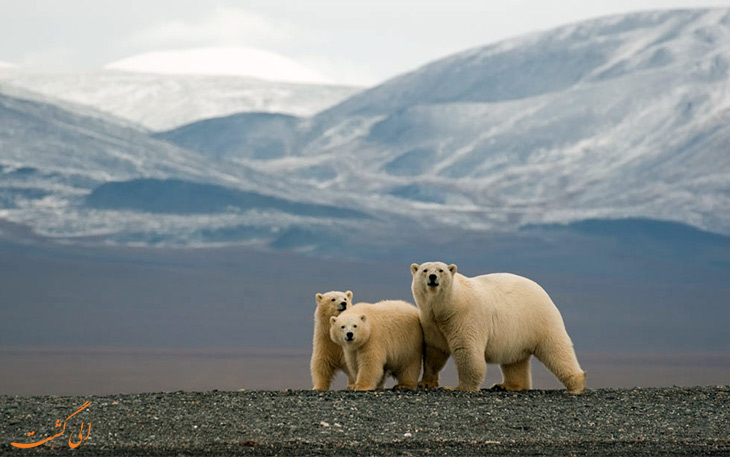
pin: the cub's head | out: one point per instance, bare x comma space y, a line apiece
333, 303
350, 330
432, 277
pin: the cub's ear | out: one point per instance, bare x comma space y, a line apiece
452, 269
414, 268
363, 318
349, 294
332, 320
319, 297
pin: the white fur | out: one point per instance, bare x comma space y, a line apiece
327, 357
497, 318
386, 339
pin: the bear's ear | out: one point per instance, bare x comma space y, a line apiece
332, 320
349, 294
414, 268
452, 269
319, 297
363, 318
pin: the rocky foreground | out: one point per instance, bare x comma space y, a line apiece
656, 421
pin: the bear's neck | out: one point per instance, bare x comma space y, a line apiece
322, 324
354, 347
442, 307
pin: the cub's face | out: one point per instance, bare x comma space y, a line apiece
333, 303
432, 277
349, 330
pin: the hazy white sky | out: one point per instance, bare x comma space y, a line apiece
346, 41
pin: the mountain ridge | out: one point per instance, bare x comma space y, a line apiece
658, 119
163, 102
52, 158
633, 127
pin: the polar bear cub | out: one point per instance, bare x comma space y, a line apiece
327, 357
496, 318
379, 340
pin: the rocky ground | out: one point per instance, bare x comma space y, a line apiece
656, 421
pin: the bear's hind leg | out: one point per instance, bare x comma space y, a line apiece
407, 376
558, 356
434, 360
516, 376
381, 383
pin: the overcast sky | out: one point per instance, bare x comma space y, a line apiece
346, 41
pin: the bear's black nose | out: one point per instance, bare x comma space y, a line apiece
432, 281
349, 336
343, 306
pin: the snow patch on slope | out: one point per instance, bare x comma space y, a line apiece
163, 102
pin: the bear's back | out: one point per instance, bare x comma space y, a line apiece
389, 316
382, 308
396, 307
513, 296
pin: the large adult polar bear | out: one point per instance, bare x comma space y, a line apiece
496, 318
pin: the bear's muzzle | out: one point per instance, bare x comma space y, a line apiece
432, 281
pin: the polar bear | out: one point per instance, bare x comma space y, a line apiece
327, 357
378, 340
496, 318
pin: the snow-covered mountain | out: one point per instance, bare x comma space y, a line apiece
253, 135
231, 61
617, 117
78, 175
624, 116
162, 102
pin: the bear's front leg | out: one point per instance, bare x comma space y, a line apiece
471, 368
434, 360
351, 378
351, 364
323, 371
370, 370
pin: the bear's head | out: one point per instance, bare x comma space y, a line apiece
432, 277
350, 330
334, 302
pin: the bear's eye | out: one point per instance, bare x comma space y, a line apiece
440, 270
342, 326
333, 299
354, 326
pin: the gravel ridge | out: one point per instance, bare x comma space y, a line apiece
640, 421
